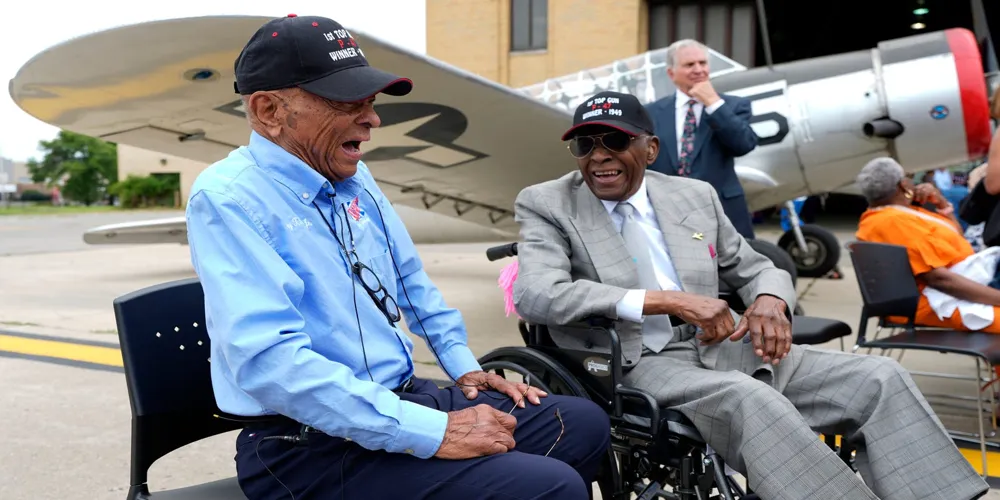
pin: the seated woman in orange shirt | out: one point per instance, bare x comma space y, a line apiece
940, 256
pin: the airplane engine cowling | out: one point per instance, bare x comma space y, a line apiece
934, 86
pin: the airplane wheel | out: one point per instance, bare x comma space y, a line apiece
822, 251
779, 257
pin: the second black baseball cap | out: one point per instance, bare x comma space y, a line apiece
315, 54
612, 109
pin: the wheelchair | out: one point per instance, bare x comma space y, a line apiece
651, 447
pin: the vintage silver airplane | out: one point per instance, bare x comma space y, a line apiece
463, 146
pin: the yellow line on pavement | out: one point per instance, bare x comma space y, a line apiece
109, 356
973, 456
975, 459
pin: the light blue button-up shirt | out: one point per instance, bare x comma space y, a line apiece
280, 311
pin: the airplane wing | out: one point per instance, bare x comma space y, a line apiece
458, 145
167, 230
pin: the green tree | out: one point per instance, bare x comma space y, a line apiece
146, 191
85, 164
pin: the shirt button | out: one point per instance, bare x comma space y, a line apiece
408, 451
305, 195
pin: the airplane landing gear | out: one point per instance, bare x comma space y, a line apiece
814, 250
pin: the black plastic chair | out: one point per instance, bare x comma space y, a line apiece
165, 349
889, 289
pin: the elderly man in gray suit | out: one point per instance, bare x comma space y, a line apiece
648, 250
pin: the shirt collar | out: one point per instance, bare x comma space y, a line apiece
304, 181
639, 201
682, 99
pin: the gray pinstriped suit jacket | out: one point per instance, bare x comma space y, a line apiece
573, 263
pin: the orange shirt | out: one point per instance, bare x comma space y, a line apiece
931, 240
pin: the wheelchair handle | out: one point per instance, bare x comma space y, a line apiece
501, 251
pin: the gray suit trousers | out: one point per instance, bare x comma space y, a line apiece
771, 436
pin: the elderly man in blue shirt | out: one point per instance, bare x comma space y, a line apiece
307, 270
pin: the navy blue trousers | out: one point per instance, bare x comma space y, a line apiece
330, 468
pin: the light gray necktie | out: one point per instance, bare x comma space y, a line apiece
656, 329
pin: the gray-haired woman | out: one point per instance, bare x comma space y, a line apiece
952, 277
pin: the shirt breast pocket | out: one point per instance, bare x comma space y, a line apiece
381, 265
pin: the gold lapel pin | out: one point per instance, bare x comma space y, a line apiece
698, 236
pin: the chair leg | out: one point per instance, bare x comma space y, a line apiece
979, 415
878, 329
993, 398
720, 476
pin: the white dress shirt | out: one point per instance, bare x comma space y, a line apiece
681, 109
630, 306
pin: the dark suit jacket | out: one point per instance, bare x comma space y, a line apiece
721, 136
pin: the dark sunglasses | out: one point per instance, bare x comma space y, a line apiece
616, 142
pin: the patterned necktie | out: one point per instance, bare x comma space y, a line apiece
656, 329
687, 140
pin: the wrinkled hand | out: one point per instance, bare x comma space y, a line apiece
704, 93
477, 432
473, 382
710, 314
769, 328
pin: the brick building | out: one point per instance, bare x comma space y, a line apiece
522, 42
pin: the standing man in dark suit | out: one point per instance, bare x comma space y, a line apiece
702, 131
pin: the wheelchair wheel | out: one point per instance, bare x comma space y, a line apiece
545, 373
552, 378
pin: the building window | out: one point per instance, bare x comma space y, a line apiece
529, 24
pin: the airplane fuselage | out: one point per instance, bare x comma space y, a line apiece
922, 100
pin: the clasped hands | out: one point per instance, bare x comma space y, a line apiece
764, 322
483, 430
928, 193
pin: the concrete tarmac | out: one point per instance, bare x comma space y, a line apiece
68, 427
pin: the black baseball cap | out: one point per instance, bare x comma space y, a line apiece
315, 54
612, 109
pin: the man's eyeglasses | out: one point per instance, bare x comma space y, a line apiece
562, 426
369, 280
616, 142
562, 429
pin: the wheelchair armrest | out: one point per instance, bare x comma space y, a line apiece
599, 322
608, 326
638, 394
619, 390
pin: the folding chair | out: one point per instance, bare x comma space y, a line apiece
888, 288
165, 349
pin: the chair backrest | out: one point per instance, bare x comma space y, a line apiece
888, 287
166, 354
